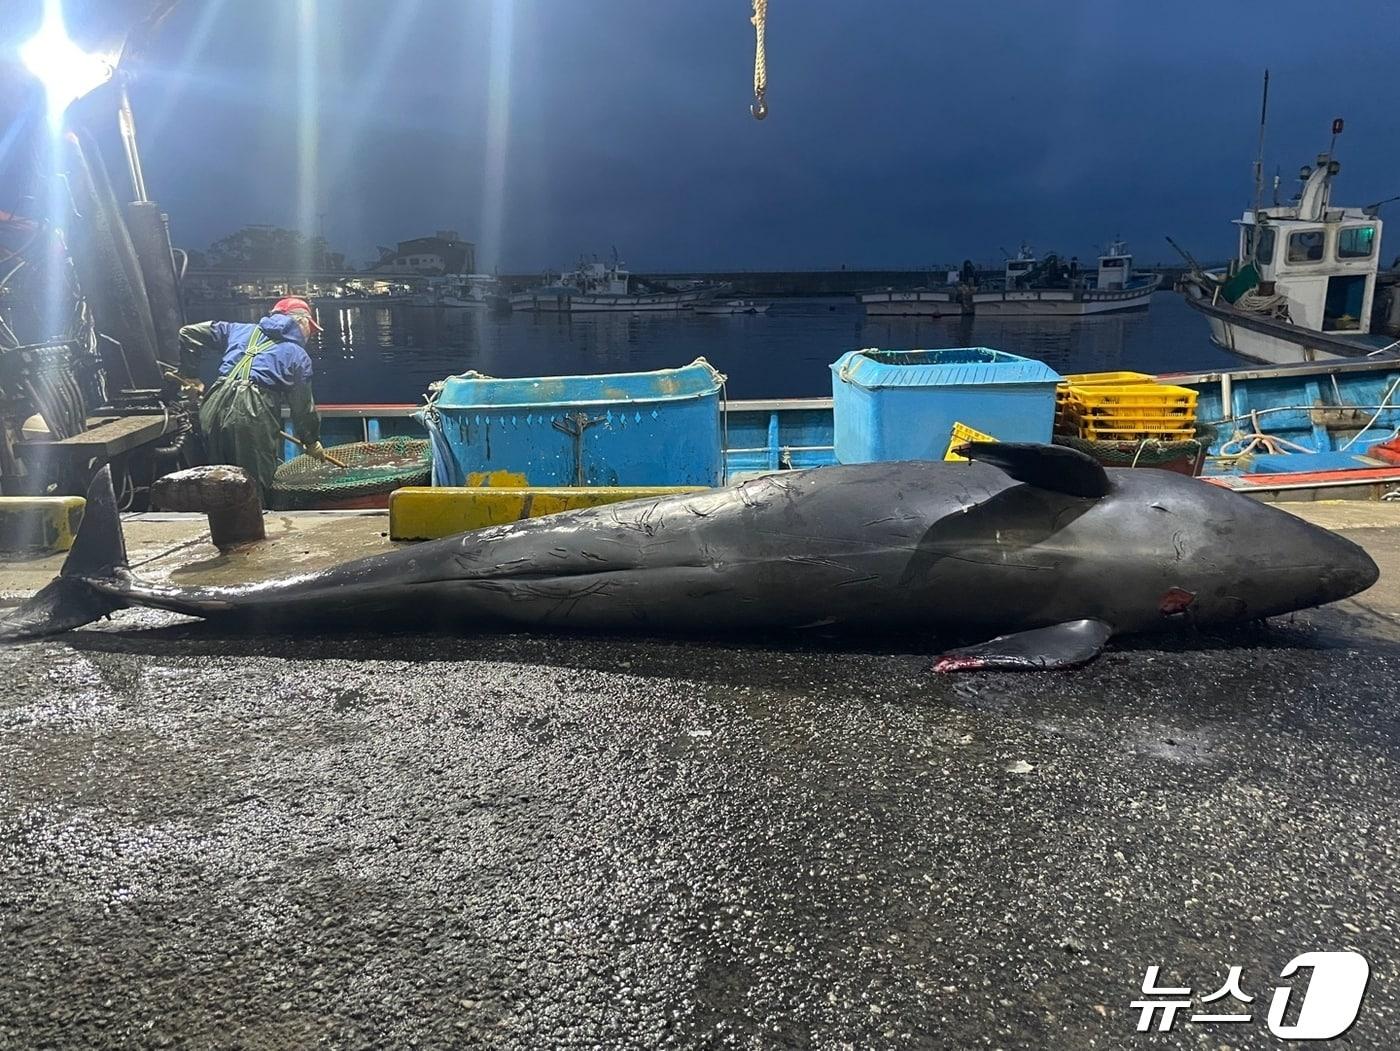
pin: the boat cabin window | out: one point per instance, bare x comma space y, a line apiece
1305, 246
1112, 262
1262, 252
1356, 242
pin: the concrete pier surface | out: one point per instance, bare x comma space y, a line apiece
528, 841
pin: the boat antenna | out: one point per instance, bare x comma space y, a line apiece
759, 109
1259, 157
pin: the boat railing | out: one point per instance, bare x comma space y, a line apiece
1367, 364
758, 434
1336, 411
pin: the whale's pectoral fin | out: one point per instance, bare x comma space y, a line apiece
1054, 467
1064, 645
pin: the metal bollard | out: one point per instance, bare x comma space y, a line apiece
228, 495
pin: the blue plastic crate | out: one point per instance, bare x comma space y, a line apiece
902, 404
631, 428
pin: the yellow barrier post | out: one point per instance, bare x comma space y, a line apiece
428, 513
39, 525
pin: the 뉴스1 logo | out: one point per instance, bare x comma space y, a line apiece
1327, 1009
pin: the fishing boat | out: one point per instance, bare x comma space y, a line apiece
1305, 283
732, 306
1301, 431
948, 300
596, 286
371, 299
468, 291
1050, 287
1311, 431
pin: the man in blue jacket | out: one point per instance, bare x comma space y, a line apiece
263, 366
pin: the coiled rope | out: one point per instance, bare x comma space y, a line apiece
1270, 443
1275, 304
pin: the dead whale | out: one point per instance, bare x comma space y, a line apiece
1035, 545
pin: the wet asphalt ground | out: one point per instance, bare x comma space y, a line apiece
530, 842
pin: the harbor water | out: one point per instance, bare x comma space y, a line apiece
391, 354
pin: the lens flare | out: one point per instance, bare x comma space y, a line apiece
66, 70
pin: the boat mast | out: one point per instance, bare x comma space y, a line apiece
1259, 156
1332, 165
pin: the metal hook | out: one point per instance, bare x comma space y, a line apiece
759, 109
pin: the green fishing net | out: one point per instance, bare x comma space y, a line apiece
1183, 457
371, 468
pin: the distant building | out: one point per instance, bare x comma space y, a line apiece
443, 253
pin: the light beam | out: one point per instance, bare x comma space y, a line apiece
66, 71
493, 203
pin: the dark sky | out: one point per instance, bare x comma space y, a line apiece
900, 133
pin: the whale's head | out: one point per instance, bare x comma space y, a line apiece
1140, 549
1216, 556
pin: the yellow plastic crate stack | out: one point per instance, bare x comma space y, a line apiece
1065, 421
960, 436
1123, 406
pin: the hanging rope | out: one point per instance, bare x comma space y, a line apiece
759, 109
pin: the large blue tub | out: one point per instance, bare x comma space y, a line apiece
902, 404
631, 428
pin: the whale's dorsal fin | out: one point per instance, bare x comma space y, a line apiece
1053, 467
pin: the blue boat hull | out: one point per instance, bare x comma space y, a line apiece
1334, 412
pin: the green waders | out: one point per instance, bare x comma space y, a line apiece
242, 422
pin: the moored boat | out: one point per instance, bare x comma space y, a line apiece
467, 291
916, 302
596, 286
947, 300
1300, 431
1303, 286
1286, 432
373, 300
1050, 287
731, 306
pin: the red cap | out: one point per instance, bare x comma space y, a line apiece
297, 307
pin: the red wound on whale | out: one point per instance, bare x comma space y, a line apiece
1176, 601
944, 665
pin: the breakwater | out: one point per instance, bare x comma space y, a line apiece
767, 284
830, 282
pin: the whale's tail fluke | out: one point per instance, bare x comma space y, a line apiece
98, 553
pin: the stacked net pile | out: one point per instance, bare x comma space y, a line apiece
1184, 456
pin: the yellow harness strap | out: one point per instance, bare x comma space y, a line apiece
257, 343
